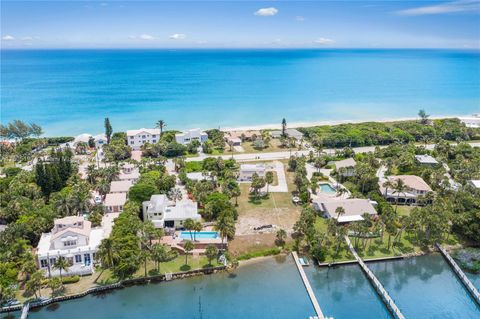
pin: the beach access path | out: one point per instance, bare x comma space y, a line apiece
272, 156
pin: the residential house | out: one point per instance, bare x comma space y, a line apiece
235, 141
353, 208
190, 136
345, 167
426, 160
120, 186
247, 171
75, 239
129, 172
414, 187
166, 214
100, 140
137, 138
115, 202
290, 132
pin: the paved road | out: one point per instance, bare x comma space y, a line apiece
271, 156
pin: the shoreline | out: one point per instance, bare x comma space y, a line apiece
302, 124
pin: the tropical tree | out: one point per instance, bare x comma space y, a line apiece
211, 252
106, 253
197, 227
161, 125
339, 211
144, 256
54, 284
188, 248
61, 264
159, 255
388, 185
189, 225
175, 194
225, 224
423, 116
108, 129
269, 179
34, 284
280, 237
399, 187
103, 187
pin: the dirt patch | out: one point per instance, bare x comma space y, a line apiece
248, 243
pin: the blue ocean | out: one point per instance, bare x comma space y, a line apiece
69, 92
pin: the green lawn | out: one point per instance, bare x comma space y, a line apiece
274, 146
175, 265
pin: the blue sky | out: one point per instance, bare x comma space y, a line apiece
240, 24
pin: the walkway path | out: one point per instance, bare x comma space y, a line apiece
468, 284
308, 287
376, 284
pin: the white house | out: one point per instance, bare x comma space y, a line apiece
73, 238
100, 140
247, 171
353, 208
115, 202
414, 187
129, 172
426, 160
120, 186
345, 167
136, 138
166, 214
191, 135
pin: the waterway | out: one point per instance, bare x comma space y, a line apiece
423, 287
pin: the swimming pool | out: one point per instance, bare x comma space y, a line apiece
327, 188
199, 235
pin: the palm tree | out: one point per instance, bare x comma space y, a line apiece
211, 252
388, 185
269, 179
103, 187
197, 227
339, 211
144, 256
188, 248
92, 173
61, 264
159, 255
175, 194
399, 187
161, 124
62, 204
106, 253
225, 224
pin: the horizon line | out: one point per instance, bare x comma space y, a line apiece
235, 48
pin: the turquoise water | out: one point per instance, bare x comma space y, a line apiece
327, 188
475, 279
426, 287
267, 290
199, 235
71, 91
344, 292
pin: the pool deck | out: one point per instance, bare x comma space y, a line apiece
313, 299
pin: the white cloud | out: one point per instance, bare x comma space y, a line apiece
178, 36
323, 41
300, 18
8, 38
27, 38
266, 12
147, 37
443, 8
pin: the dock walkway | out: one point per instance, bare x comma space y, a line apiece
25, 310
376, 284
461, 275
313, 299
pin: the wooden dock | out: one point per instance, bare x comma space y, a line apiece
313, 299
376, 283
459, 272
